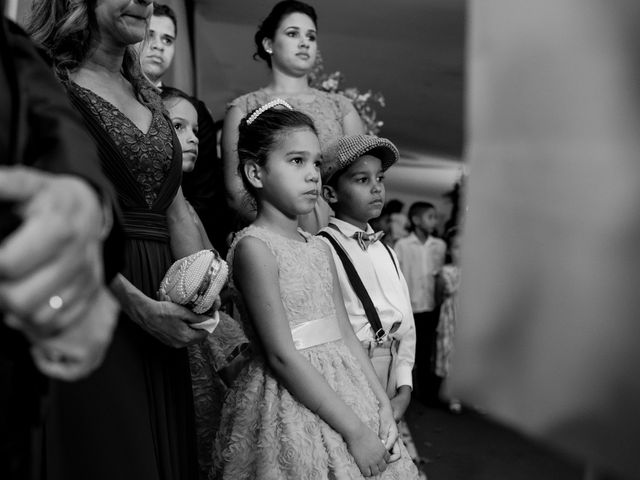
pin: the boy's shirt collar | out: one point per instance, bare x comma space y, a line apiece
346, 228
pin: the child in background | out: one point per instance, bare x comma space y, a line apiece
421, 257
183, 112
448, 311
398, 221
215, 362
309, 404
392, 221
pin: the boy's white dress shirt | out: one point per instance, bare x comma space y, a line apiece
420, 263
387, 289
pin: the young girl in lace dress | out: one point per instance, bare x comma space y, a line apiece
308, 404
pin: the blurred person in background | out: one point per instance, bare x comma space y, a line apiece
421, 256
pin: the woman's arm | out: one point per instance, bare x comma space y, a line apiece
166, 321
352, 123
236, 193
185, 236
256, 275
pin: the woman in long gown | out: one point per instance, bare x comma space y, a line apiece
287, 41
132, 419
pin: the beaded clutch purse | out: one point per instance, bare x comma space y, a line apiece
195, 281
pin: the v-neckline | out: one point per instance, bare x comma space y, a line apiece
80, 95
120, 113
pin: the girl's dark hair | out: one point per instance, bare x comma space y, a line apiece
269, 25
257, 139
64, 29
169, 93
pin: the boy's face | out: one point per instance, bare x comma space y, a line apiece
426, 221
158, 50
358, 193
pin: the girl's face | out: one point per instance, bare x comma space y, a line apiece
294, 44
290, 179
185, 121
122, 22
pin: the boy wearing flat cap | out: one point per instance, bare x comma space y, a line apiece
374, 290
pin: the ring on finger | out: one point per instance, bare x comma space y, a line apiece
56, 302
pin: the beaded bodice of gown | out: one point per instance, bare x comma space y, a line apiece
148, 155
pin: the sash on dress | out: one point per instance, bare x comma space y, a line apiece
315, 332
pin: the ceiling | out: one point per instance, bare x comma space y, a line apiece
412, 51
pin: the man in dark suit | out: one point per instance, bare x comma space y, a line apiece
58, 247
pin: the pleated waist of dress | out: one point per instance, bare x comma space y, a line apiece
145, 225
315, 332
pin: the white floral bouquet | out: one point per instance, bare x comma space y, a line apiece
365, 103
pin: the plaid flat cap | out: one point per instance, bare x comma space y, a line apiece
346, 150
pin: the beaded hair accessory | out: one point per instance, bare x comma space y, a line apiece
267, 106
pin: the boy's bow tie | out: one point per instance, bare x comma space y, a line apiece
364, 239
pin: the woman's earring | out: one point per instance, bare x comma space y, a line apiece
269, 51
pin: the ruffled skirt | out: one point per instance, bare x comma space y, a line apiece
265, 433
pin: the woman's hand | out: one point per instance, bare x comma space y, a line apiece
80, 348
388, 432
369, 452
51, 269
168, 322
400, 402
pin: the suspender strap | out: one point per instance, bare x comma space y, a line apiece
391, 255
358, 287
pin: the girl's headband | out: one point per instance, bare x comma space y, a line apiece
265, 107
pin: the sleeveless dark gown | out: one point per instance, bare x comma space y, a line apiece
133, 418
